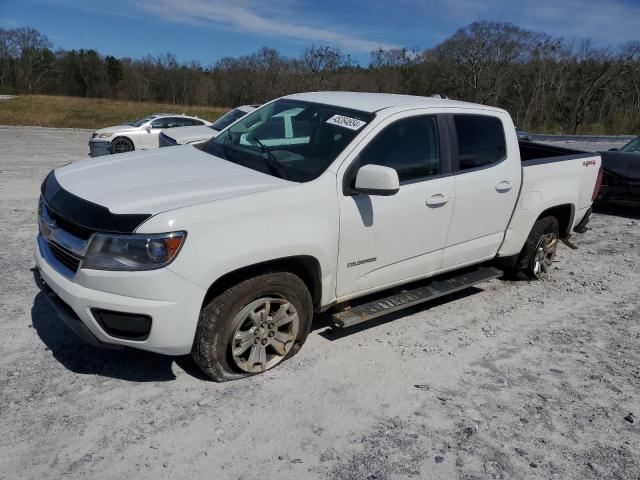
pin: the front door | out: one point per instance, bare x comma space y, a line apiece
149, 137
388, 239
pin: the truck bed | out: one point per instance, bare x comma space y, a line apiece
532, 153
552, 177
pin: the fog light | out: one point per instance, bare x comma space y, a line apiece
128, 326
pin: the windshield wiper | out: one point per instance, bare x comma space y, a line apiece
272, 162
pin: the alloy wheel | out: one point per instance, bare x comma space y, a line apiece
266, 331
121, 146
544, 254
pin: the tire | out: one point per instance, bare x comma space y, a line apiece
122, 145
235, 321
539, 250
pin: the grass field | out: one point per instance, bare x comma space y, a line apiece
74, 112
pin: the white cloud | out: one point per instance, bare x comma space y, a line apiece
274, 19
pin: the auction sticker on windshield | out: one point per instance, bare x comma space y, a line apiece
346, 122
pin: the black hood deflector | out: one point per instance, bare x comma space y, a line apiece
84, 213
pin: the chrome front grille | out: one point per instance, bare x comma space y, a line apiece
73, 228
64, 257
66, 241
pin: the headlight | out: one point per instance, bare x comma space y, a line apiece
132, 252
105, 135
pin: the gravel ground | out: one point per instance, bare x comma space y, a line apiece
533, 380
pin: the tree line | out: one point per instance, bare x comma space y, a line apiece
547, 84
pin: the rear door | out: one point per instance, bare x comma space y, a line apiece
487, 173
386, 240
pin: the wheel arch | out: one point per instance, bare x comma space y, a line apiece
564, 214
306, 267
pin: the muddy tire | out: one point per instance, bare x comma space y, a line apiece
122, 145
539, 250
252, 326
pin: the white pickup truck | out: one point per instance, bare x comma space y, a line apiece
370, 203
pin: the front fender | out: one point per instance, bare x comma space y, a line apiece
227, 235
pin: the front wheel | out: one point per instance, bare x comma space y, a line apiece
253, 326
122, 145
540, 248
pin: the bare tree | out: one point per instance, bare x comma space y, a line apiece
546, 83
36, 58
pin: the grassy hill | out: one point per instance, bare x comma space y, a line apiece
74, 112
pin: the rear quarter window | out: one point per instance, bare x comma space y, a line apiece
481, 141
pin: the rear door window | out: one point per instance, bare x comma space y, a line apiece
173, 122
160, 123
481, 141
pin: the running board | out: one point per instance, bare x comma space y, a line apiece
408, 298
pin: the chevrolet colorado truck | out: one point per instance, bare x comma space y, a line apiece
363, 204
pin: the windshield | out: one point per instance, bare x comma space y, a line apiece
290, 139
632, 146
227, 119
141, 121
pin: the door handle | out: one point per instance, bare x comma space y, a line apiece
438, 199
503, 186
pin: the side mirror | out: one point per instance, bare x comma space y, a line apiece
614, 149
377, 180
148, 128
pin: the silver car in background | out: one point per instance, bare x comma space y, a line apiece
191, 135
140, 134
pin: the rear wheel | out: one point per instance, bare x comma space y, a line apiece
540, 248
253, 326
122, 145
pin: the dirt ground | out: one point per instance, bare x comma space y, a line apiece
535, 380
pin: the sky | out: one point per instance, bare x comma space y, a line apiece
207, 30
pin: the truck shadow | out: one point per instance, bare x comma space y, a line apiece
325, 328
77, 356
140, 366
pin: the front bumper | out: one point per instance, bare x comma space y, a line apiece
98, 148
66, 314
170, 300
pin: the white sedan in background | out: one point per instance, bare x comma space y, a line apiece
188, 135
141, 134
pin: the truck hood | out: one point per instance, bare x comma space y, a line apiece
183, 135
154, 181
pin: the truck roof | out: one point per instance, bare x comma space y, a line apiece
373, 102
